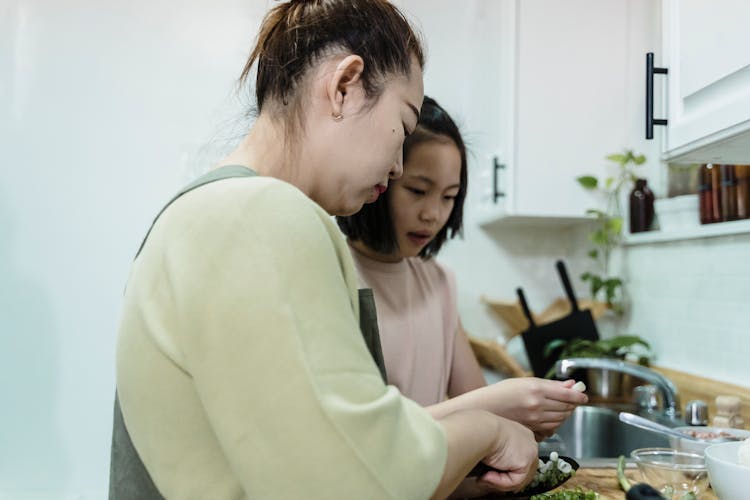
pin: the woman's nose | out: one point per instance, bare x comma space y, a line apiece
397, 169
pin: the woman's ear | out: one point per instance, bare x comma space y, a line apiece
345, 78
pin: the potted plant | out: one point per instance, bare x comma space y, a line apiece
607, 232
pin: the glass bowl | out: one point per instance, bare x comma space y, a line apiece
666, 468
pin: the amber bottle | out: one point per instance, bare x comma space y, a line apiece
743, 191
709, 190
641, 207
728, 192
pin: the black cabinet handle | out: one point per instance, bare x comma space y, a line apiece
496, 193
650, 120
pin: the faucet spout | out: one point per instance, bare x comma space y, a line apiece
564, 367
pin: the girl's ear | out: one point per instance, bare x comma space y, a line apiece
345, 77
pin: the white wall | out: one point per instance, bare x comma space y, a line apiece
106, 108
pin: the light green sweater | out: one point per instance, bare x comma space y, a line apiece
241, 371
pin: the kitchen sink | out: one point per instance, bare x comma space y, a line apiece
596, 432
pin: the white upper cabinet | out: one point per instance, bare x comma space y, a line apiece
576, 96
708, 100
545, 90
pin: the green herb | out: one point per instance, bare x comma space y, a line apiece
624, 483
577, 494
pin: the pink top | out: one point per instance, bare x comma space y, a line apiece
418, 321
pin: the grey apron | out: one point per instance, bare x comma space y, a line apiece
128, 477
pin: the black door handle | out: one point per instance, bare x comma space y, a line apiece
650, 120
496, 193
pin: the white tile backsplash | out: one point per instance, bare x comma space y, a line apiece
691, 300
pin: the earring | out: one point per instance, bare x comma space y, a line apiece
338, 117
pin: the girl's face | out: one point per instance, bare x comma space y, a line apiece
359, 154
422, 200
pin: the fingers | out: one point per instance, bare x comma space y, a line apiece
509, 480
564, 392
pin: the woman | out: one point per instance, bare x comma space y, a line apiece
241, 371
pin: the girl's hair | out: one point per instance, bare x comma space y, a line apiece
294, 35
373, 225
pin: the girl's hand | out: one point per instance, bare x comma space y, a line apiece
541, 405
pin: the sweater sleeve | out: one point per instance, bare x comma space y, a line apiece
269, 334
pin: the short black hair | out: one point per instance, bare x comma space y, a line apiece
373, 224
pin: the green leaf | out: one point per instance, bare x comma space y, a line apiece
608, 183
552, 346
640, 160
614, 225
586, 276
594, 253
598, 237
627, 341
588, 181
621, 159
596, 285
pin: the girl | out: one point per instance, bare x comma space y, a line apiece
241, 371
394, 242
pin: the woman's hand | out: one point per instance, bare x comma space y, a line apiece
516, 455
476, 435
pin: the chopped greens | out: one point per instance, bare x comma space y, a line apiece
577, 494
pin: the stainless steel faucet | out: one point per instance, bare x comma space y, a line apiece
565, 367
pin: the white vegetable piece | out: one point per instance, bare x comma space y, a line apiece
579, 386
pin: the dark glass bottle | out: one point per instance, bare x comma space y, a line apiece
709, 189
728, 193
641, 207
743, 191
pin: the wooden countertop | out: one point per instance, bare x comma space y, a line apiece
604, 481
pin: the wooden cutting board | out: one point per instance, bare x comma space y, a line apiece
604, 481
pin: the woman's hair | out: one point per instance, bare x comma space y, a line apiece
294, 35
373, 225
